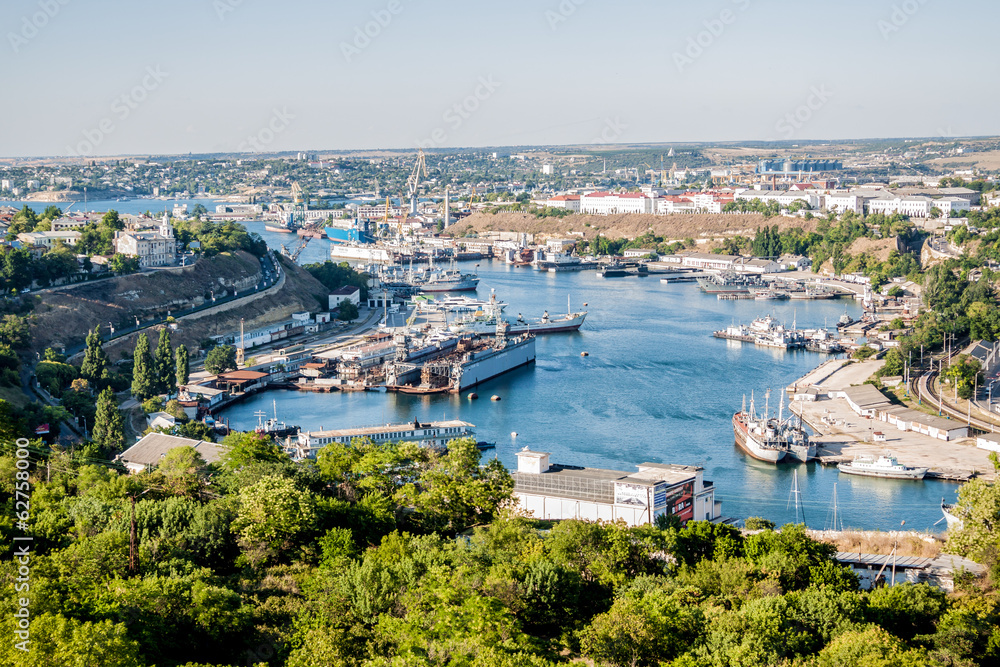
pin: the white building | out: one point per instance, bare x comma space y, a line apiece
427, 434
842, 202
348, 293
48, 240
609, 203
571, 202
152, 248
556, 492
548, 169
949, 204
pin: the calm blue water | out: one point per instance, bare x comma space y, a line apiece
655, 387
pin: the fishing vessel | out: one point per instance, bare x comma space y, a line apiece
771, 439
273, 427
730, 282
484, 322
884, 466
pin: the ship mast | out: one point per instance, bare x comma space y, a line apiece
767, 404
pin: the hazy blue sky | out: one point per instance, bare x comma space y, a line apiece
103, 77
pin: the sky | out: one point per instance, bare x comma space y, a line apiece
115, 77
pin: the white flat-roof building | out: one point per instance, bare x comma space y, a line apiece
48, 239
570, 202
427, 434
609, 203
555, 492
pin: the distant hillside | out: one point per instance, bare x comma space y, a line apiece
630, 225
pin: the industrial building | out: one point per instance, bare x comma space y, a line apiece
551, 491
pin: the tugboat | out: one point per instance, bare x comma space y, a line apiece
884, 466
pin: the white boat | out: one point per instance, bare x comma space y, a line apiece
884, 466
950, 516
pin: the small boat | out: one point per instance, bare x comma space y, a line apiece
278, 228
884, 466
954, 523
481, 445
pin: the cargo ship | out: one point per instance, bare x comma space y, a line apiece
505, 354
771, 439
475, 360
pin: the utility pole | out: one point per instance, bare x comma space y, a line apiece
132, 561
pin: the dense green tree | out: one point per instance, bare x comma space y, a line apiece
220, 359
164, 365
643, 628
143, 371
182, 366
247, 448
14, 332
273, 517
95, 359
109, 427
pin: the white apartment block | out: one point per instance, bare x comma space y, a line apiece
608, 203
571, 202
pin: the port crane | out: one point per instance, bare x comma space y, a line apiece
413, 182
294, 254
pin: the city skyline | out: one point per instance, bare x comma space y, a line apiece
207, 76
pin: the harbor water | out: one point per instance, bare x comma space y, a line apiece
655, 386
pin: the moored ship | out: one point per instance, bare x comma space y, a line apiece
771, 439
484, 322
884, 466
730, 283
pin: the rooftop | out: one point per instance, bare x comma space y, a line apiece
154, 446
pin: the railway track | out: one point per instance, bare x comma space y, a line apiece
923, 387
